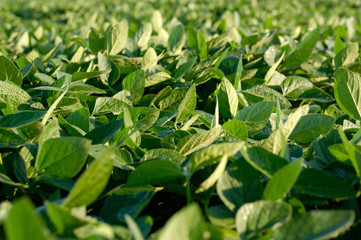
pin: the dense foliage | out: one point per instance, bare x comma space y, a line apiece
171, 119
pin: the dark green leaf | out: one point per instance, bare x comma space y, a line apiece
317, 183
155, 172
20, 119
104, 133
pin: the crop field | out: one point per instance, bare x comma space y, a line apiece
180, 120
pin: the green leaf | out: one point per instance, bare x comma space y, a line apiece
22, 222
96, 43
8, 71
220, 216
201, 45
239, 184
129, 201
282, 181
274, 142
104, 105
256, 217
271, 71
192, 143
294, 86
188, 104
135, 84
354, 153
85, 75
255, 116
6, 180
236, 128
317, 183
184, 68
79, 118
155, 172
172, 99
260, 92
20, 119
348, 92
320, 224
347, 55
163, 153
264, 161
62, 157
92, 182
311, 126
228, 100
47, 57
181, 225
142, 36
303, 51
9, 139
105, 64
316, 94
12, 95
144, 117
63, 220
157, 20
213, 178
116, 37
156, 78
213, 154
176, 38
104, 133
192, 38
133, 227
